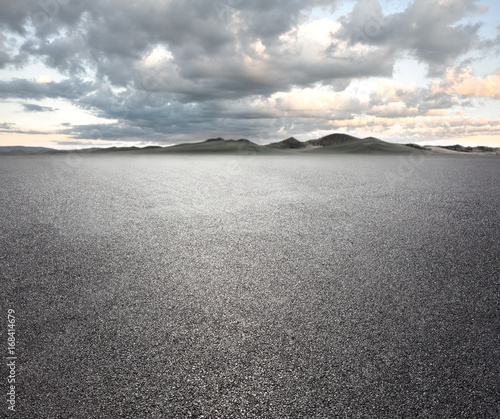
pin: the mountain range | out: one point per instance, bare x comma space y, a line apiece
331, 144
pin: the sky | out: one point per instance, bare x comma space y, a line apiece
86, 73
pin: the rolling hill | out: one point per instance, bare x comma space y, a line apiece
336, 143
219, 146
368, 145
333, 139
288, 144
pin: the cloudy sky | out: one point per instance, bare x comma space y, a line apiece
79, 73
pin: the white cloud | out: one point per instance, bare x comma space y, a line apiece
464, 83
157, 56
184, 68
43, 79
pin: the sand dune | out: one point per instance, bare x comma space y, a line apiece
366, 146
336, 143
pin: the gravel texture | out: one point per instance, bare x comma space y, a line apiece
233, 287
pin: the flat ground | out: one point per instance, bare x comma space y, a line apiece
297, 286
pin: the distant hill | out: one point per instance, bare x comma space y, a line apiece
368, 145
218, 146
342, 144
336, 143
26, 150
289, 143
478, 149
333, 139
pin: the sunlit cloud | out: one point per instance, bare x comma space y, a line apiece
464, 83
43, 79
157, 56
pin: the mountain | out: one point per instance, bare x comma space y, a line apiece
289, 143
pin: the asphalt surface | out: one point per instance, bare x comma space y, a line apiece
233, 287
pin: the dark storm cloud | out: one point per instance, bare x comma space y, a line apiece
5, 126
64, 54
8, 54
4, 59
45, 16
210, 38
204, 36
15, 15
427, 29
31, 107
25, 89
268, 20
208, 70
107, 132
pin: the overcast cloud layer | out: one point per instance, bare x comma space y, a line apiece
169, 71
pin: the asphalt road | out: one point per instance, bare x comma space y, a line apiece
232, 287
